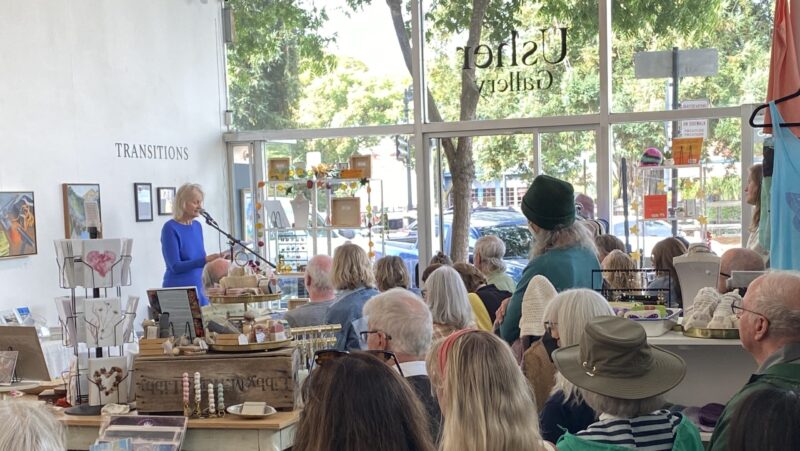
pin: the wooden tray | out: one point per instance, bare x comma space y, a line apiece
698, 332
244, 299
252, 347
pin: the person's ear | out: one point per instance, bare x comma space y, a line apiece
761, 328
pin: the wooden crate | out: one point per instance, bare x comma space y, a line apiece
259, 376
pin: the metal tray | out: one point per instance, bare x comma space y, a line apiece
252, 347
698, 332
237, 410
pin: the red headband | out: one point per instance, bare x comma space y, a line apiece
444, 350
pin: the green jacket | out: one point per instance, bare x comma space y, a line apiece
687, 438
781, 375
564, 268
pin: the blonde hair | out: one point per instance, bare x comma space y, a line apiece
182, 196
30, 425
486, 401
391, 272
351, 268
618, 260
756, 175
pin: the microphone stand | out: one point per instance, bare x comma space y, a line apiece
232, 241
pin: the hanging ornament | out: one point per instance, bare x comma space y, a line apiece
371, 254
309, 184
261, 183
702, 220
291, 172
258, 205
660, 186
634, 205
353, 185
634, 229
260, 243
635, 255
301, 172
259, 226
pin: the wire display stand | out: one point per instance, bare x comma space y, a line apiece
630, 285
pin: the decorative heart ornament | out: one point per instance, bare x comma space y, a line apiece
108, 380
101, 261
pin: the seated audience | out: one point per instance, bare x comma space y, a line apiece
606, 244
565, 318
355, 402
488, 258
29, 425
447, 298
769, 327
441, 258
400, 322
666, 277
737, 259
618, 260
391, 272
562, 249
353, 279
622, 378
766, 420
213, 271
321, 295
475, 282
594, 227
486, 402
536, 364
584, 206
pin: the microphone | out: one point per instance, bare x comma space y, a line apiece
207, 215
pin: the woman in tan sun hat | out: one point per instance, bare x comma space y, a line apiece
623, 379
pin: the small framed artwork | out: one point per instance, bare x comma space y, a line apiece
346, 211
81, 209
246, 205
278, 168
143, 199
362, 163
17, 224
166, 200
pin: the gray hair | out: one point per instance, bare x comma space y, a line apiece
571, 310
404, 316
447, 298
776, 298
182, 196
574, 235
491, 250
319, 269
623, 408
30, 425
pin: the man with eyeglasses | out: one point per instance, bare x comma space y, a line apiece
769, 327
737, 259
400, 322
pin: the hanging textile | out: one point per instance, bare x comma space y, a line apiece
784, 69
785, 197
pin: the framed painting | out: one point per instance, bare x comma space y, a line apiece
166, 200
81, 209
246, 207
143, 199
17, 224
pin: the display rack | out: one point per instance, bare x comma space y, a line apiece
640, 293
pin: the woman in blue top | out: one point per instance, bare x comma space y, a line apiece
182, 242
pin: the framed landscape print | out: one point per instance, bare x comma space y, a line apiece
17, 224
143, 199
81, 205
166, 200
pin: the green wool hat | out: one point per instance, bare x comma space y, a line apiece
549, 203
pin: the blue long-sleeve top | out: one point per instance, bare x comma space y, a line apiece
185, 255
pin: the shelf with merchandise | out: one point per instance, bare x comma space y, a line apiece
665, 167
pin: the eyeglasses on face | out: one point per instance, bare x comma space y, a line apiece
324, 356
738, 310
365, 334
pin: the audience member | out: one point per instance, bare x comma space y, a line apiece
565, 318
766, 420
489, 295
737, 259
607, 243
400, 322
584, 206
486, 402
441, 258
321, 295
427, 273
353, 279
488, 258
562, 250
355, 402
666, 277
594, 227
536, 364
447, 298
769, 327
213, 271
752, 193
620, 261
699, 248
391, 272
29, 425
621, 377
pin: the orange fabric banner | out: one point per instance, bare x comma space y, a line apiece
784, 69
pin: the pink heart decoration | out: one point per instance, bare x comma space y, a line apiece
100, 261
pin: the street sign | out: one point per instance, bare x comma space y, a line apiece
694, 128
691, 63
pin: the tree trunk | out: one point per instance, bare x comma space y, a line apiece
459, 158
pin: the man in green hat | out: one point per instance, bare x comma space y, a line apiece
562, 249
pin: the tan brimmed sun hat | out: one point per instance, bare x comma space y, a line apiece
538, 294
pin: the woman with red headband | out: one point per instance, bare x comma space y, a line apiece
485, 400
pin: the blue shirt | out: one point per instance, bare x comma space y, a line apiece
184, 255
558, 417
347, 309
784, 206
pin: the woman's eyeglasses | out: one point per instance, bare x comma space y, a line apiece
738, 310
324, 356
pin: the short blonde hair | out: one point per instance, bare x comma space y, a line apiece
623, 280
391, 272
351, 268
182, 196
30, 425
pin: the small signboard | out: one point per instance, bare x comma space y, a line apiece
694, 128
655, 206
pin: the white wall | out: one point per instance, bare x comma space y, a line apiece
78, 76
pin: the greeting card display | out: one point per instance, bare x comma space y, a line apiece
94, 263
103, 322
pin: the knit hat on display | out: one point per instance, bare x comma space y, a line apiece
538, 294
549, 203
651, 157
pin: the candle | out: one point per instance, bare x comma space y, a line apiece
211, 408
186, 388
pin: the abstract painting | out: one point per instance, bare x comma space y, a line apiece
17, 224
76, 197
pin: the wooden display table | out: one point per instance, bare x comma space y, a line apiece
275, 432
